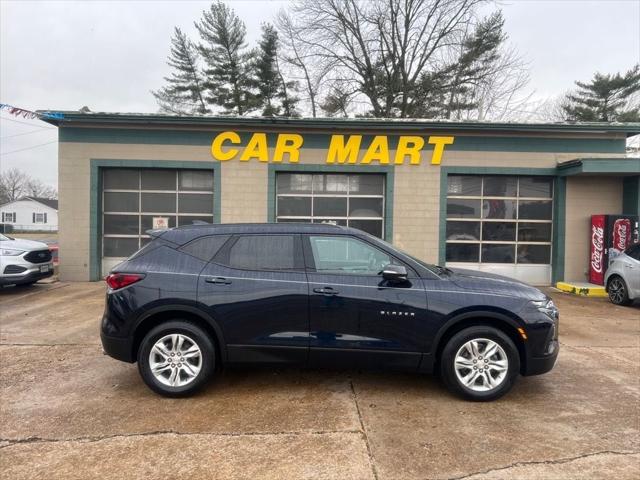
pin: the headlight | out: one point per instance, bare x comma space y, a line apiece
11, 252
547, 307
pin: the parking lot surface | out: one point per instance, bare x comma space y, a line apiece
69, 412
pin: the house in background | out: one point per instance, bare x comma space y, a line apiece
30, 214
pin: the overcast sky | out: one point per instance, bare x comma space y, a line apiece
108, 55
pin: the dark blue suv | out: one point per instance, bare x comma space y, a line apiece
198, 297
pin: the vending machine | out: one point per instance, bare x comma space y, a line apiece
610, 236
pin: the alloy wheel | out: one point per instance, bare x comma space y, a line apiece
175, 360
481, 365
617, 291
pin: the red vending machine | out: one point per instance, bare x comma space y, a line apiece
610, 235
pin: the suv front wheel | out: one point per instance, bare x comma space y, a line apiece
480, 363
176, 358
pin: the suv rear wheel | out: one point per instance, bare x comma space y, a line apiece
480, 363
176, 358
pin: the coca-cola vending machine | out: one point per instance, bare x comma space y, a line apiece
610, 235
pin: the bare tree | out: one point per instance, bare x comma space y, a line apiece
15, 184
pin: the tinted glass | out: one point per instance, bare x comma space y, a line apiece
188, 220
534, 232
463, 252
330, 207
146, 221
535, 210
536, 187
195, 180
347, 255
263, 252
499, 231
366, 184
462, 208
502, 209
154, 179
499, 186
534, 253
633, 252
159, 202
373, 227
120, 179
460, 185
205, 248
330, 183
463, 230
195, 203
496, 253
365, 207
294, 183
120, 224
121, 202
294, 206
120, 247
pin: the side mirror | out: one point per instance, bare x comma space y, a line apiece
395, 273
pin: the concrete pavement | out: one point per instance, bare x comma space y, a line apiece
67, 411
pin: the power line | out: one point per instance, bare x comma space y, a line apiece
25, 123
26, 133
28, 148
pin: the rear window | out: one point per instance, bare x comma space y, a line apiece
205, 248
265, 252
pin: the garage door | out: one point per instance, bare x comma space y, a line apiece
132, 198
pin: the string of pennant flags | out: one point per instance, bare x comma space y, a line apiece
28, 114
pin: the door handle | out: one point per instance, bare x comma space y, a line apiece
218, 280
326, 291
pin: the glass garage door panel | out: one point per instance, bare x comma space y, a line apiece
132, 197
354, 200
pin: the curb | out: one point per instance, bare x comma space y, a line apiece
581, 289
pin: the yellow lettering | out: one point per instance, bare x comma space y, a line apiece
340, 151
409, 146
288, 143
256, 148
378, 151
438, 147
216, 146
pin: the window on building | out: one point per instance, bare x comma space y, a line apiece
8, 217
499, 219
39, 218
264, 252
354, 200
132, 198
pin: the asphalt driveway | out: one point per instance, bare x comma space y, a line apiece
69, 412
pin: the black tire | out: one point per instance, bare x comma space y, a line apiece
448, 369
618, 291
192, 332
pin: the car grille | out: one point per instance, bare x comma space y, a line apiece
38, 256
14, 269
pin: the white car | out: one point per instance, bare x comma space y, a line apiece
622, 280
23, 262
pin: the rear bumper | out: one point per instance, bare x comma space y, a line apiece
539, 365
118, 347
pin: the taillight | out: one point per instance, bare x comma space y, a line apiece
121, 280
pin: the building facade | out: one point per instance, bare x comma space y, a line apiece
30, 214
513, 199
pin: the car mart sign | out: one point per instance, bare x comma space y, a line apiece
342, 149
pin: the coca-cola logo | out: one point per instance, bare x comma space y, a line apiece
597, 248
621, 232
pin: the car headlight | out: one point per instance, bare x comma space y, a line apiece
547, 307
10, 252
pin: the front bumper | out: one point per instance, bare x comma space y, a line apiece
540, 365
32, 274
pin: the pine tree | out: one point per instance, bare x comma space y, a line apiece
228, 61
184, 92
607, 98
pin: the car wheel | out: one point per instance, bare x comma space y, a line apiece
480, 363
176, 358
618, 292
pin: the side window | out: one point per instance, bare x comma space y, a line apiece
347, 255
634, 252
264, 252
205, 248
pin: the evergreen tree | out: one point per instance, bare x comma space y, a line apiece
184, 92
228, 61
607, 98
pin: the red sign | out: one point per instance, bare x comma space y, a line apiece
621, 234
596, 265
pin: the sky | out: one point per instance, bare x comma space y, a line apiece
109, 55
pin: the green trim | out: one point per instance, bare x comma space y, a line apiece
557, 260
615, 166
321, 140
389, 186
76, 117
631, 196
96, 166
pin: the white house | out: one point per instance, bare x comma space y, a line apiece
31, 214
